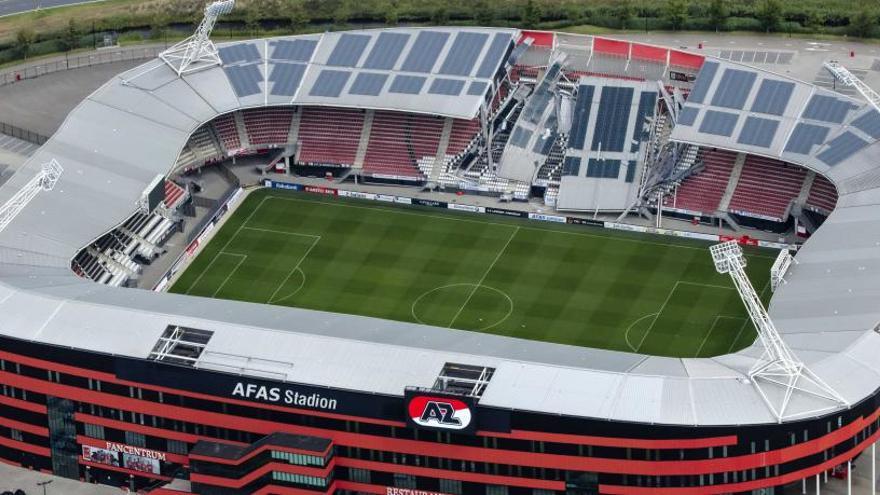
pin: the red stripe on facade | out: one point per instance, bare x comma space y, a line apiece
491, 479
150, 430
477, 454
18, 425
33, 449
746, 485
23, 404
251, 476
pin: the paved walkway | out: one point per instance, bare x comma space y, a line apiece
14, 478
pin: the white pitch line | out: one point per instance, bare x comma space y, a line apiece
271, 231
228, 242
668, 297
483, 222
497, 257
241, 259
711, 328
295, 268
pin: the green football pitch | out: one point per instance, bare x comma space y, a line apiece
560, 283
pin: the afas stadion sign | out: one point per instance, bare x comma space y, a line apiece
438, 411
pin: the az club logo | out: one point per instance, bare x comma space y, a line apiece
439, 412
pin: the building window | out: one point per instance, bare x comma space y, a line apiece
450, 486
177, 447
135, 439
94, 431
298, 459
496, 490
299, 479
16, 435
359, 475
405, 481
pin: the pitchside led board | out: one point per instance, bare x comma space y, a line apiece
432, 410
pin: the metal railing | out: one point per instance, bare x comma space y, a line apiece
23, 134
16, 74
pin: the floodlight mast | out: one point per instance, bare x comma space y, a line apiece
198, 51
45, 180
778, 367
847, 78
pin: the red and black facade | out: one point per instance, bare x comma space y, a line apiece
140, 423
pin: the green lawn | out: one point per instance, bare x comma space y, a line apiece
573, 285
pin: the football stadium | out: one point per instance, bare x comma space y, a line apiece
447, 261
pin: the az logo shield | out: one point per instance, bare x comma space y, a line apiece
439, 412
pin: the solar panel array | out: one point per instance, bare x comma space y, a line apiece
368, 83
571, 165
773, 97
806, 136
241, 52
758, 131
245, 79
463, 54
603, 169
411, 85
841, 148
449, 87
294, 50
718, 123
425, 50
581, 117
688, 115
613, 113
348, 50
703, 82
869, 123
386, 50
330, 83
734, 88
828, 109
647, 103
286, 78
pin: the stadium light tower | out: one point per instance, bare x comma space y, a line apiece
847, 78
778, 373
198, 51
44, 181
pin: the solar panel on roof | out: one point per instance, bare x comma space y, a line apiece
758, 132
603, 169
773, 97
348, 50
286, 78
647, 103
718, 123
410, 85
424, 52
734, 88
841, 148
494, 55
245, 79
386, 50
614, 109
630, 171
571, 165
703, 82
869, 123
477, 88
330, 83
462, 56
687, 116
827, 109
520, 137
449, 87
294, 50
581, 116
368, 84
241, 52
805, 137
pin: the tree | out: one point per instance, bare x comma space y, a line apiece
252, 18
24, 38
625, 12
862, 23
718, 14
159, 25
440, 15
483, 13
676, 13
769, 14
71, 36
298, 16
342, 14
392, 17
531, 14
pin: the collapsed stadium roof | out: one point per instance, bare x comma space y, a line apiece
116, 141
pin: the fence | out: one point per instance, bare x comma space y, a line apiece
74, 62
23, 134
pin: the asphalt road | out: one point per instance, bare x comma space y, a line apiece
9, 7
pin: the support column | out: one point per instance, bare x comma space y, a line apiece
849, 477
874, 469
818, 487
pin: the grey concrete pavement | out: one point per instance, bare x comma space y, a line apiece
14, 478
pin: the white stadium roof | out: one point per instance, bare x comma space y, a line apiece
133, 128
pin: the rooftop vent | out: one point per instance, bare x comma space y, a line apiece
180, 345
464, 379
